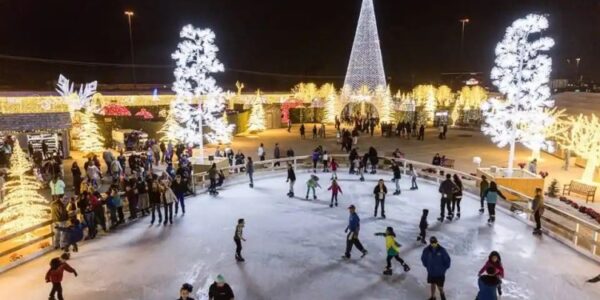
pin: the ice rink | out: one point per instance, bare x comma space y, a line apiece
294, 246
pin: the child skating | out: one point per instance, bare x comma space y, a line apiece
55, 276
291, 178
334, 188
334, 167
311, 184
238, 238
393, 250
413, 177
423, 227
494, 261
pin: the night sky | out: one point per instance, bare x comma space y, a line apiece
419, 39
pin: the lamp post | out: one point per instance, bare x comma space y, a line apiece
463, 23
577, 64
129, 14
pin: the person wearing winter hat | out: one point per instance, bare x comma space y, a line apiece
185, 291
423, 227
488, 283
436, 260
220, 290
393, 250
352, 238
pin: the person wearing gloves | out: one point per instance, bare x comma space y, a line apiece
393, 250
494, 261
380, 191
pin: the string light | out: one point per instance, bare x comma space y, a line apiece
256, 122
583, 139
90, 139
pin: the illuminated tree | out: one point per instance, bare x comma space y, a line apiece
385, 106
553, 130
477, 95
583, 139
90, 139
307, 92
521, 74
455, 114
444, 96
365, 67
171, 129
256, 122
328, 92
23, 206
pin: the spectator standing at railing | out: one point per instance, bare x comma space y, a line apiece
276, 155
314, 131
97, 203
533, 166
131, 193
212, 176
261, 152
447, 188
483, 186
290, 152
491, 196
250, 170
291, 178
537, 205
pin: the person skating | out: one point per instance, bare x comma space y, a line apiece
397, 176
72, 235
494, 261
238, 237
55, 276
353, 229
447, 188
379, 192
168, 199
185, 291
423, 227
154, 194
488, 284
334, 188
457, 196
334, 167
491, 197
291, 178
483, 186
325, 160
360, 168
436, 260
537, 206
261, 152
393, 250
412, 172
179, 187
212, 175
220, 290
311, 184
250, 170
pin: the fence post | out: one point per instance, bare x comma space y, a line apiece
576, 237
594, 247
295, 163
437, 174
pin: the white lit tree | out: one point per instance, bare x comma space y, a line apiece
444, 96
558, 126
256, 122
23, 206
171, 129
329, 94
386, 106
583, 139
521, 74
90, 139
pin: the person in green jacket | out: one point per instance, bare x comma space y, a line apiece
393, 250
311, 184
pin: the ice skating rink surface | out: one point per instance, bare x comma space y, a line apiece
294, 246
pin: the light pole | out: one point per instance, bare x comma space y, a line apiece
462, 36
577, 74
129, 14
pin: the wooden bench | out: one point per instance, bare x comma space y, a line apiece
586, 190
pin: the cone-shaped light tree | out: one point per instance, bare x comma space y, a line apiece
23, 206
583, 139
521, 73
171, 129
256, 122
90, 139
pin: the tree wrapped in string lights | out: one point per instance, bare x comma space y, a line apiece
171, 130
583, 139
256, 122
23, 206
521, 74
90, 139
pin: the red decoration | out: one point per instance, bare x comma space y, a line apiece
144, 114
116, 110
286, 106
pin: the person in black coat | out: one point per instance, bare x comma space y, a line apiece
397, 176
291, 178
185, 291
379, 191
76, 172
423, 227
447, 188
220, 290
373, 159
421, 133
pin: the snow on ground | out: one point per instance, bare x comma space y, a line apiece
294, 247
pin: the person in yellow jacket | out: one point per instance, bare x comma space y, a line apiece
393, 250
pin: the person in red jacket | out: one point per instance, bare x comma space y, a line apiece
334, 167
334, 188
55, 276
495, 262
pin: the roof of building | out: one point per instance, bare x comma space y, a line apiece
35, 122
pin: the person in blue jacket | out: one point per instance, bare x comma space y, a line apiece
352, 238
436, 260
488, 285
74, 234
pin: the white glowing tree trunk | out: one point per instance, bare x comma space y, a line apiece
366, 65
521, 74
23, 206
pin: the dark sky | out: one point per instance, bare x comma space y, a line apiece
419, 39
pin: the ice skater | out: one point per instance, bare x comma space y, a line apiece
238, 238
488, 284
423, 227
291, 178
491, 197
379, 192
537, 205
334, 167
185, 291
483, 186
220, 290
334, 188
457, 196
311, 184
55, 276
250, 170
352, 229
436, 260
397, 176
360, 167
393, 250
494, 261
447, 190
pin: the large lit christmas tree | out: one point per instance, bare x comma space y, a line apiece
90, 139
521, 74
256, 122
366, 65
23, 206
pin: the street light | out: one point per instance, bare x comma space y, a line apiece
577, 64
129, 14
462, 36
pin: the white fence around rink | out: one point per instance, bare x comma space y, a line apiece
580, 234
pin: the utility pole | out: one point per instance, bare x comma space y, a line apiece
463, 23
129, 14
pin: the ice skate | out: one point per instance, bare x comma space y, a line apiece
364, 253
481, 210
344, 257
314, 197
331, 205
336, 204
441, 219
387, 271
406, 267
251, 185
458, 216
442, 296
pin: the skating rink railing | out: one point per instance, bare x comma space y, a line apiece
574, 231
